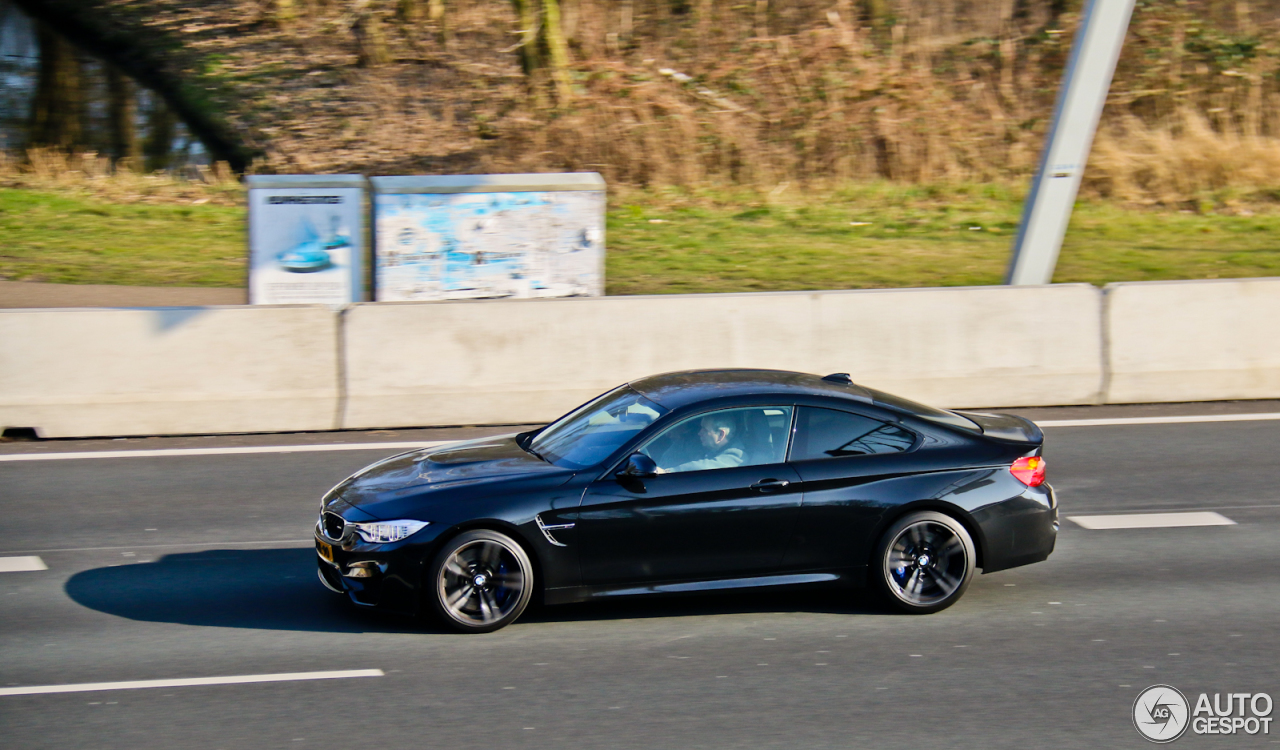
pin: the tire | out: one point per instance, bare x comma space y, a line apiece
480, 581
924, 562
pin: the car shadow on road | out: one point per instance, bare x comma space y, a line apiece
810, 601
266, 589
277, 589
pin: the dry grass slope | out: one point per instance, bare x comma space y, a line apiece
704, 93
92, 175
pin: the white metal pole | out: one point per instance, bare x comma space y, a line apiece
1075, 118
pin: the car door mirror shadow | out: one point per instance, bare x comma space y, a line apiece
263, 589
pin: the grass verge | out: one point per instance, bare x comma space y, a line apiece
884, 235
70, 238
874, 235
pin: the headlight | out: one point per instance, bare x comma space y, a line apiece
384, 532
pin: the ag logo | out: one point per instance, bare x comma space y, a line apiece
1160, 713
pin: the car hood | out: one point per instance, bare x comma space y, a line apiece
453, 466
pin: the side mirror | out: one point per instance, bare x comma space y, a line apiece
638, 465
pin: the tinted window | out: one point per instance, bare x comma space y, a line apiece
723, 439
826, 433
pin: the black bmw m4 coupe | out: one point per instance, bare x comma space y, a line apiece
693, 482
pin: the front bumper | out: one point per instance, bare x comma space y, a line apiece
386, 576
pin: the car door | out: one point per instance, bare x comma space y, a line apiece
695, 521
847, 463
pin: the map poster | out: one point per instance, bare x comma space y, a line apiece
305, 240
484, 245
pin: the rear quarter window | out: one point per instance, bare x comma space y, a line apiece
828, 433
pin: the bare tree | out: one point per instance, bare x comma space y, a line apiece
409, 11
542, 48
875, 12
122, 109
161, 125
557, 50
57, 111
281, 12
436, 15
371, 43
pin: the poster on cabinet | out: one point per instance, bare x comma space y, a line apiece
306, 239
488, 236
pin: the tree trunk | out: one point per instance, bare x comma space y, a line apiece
57, 111
409, 11
570, 17
626, 20
544, 53
371, 45
282, 12
122, 108
160, 127
1244, 23
557, 50
436, 15
529, 32
875, 13
149, 57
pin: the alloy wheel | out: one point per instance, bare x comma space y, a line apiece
482, 581
927, 561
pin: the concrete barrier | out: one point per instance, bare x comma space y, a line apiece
79, 373
529, 361
1193, 340
165, 371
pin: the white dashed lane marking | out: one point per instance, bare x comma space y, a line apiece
404, 446
21, 564
86, 687
165, 452
1188, 419
1152, 520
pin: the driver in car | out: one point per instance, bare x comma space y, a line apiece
720, 448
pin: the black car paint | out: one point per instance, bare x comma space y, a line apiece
696, 530
691, 525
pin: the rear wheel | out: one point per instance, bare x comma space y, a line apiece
480, 581
924, 562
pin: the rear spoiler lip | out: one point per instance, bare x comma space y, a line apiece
1006, 428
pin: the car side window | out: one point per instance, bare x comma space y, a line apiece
828, 433
723, 439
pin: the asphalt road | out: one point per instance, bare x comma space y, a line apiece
201, 566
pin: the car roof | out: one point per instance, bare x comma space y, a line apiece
678, 389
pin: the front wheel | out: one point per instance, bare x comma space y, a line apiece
924, 562
480, 581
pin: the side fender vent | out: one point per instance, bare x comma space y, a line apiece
547, 529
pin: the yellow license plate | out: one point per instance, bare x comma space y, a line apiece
325, 550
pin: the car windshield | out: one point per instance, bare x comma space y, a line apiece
591, 433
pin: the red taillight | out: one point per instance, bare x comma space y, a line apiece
1029, 470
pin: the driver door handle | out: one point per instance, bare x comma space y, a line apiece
769, 485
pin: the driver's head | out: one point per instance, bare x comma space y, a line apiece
715, 430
